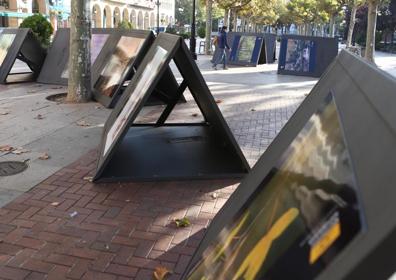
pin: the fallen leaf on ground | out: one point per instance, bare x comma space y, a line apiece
88, 178
55, 203
44, 156
83, 123
6, 148
219, 100
3, 113
39, 117
161, 273
184, 222
20, 151
252, 109
194, 115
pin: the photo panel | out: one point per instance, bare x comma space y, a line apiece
137, 92
6, 41
97, 43
319, 203
300, 55
21, 50
142, 85
118, 66
55, 69
301, 216
245, 48
306, 55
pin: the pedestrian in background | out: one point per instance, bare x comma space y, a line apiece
222, 45
215, 42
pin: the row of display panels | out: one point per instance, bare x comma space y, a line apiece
117, 52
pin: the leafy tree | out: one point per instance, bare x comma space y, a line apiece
125, 25
40, 27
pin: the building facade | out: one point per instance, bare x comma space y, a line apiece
141, 13
105, 13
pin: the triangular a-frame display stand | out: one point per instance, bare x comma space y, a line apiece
165, 89
162, 151
320, 202
24, 47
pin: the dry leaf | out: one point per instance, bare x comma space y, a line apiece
3, 113
88, 178
161, 273
83, 123
219, 100
20, 151
39, 117
55, 203
184, 222
44, 156
194, 115
6, 148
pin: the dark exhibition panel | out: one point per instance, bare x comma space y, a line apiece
319, 204
306, 55
118, 62
250, 49
55, 69
19, 43
161, 150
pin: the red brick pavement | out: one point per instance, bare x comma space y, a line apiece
120, 231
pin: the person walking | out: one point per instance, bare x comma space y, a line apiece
222, 45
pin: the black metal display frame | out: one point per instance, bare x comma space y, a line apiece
326, 49
58, 56
162, 151
26, 48
365, 99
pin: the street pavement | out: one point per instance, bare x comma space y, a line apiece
59, 225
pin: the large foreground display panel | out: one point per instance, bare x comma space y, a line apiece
319, 203
162, 151
306, 56
306, 207
19, 44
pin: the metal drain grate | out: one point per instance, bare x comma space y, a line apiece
8, 168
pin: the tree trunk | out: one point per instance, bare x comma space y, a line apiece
226, 11
371, 27
79, 84
234, 21
208, 37
331, 27
352, 22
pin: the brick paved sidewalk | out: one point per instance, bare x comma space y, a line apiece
120, 231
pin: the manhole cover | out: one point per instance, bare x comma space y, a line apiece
8, 168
